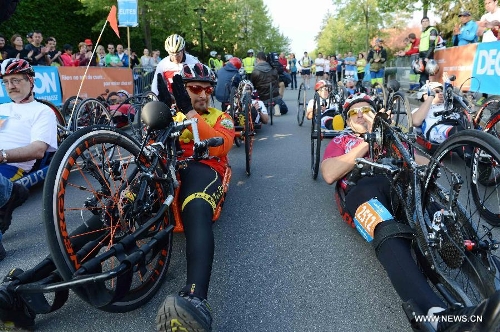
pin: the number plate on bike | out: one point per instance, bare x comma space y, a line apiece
368, 215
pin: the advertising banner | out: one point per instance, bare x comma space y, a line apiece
486, 68
127, 13
456, 61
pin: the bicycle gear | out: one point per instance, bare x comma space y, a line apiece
452, 242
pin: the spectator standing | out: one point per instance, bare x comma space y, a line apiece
82, 56
90, 45
262, 76
283, 62
292, 65
156, 57
466, 33
39, 56
124, 58
147, 62
53, 54
67, 57
360, 66
376, 59
17, 51
133, 58
100, 56
320, 66
333, 69
340, 62
218, 63
227, 78
489, 23
4, 48
428, 40
412, 51
249, 62
112, 60
350, 65
305, 71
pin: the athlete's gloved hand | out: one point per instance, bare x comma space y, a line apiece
163, 93
431, 93
182, 98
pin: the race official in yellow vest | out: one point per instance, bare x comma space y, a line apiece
249, 62
428, 40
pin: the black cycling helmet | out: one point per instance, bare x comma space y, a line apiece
197, 73
156, 115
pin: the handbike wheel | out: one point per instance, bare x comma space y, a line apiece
399, 105
248, 131
463, 253
489, 175
379, 95
315, 136
70, 104
301, 104
90, 205
61, 122
90, 112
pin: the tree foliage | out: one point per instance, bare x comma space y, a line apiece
229, 26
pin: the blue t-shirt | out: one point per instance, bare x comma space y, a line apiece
350, 67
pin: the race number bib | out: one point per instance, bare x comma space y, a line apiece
368, 215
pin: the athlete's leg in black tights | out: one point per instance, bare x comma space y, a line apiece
394, 253
200, 187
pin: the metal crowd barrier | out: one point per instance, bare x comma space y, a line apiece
142, 79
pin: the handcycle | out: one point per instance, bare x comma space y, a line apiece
240, 110
459, 110
111, 242
336, 103
454, 245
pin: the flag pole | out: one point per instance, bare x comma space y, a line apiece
85, 73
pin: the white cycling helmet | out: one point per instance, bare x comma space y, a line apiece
228, 56
250, 51
425, 88
174, 43
213, 53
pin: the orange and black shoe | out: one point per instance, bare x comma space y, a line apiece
184, 313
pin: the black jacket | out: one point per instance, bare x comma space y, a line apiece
262, 75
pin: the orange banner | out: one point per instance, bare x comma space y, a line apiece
97, 81
456, 61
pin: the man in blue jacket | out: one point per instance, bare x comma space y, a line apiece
227, 77
466, 33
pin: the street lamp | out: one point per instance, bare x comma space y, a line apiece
201, 11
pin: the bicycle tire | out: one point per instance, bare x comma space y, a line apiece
379, 94
315, 137
301, 104
270, 107
399, 105
70, 104
95, 168
464, 260
90, 112
248, 132
61, 122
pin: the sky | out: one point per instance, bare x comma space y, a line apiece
300, 27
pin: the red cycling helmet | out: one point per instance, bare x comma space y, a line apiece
236, 62
16, 66
197, 73
358, 98
322, 83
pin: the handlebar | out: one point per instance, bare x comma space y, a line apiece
365, 167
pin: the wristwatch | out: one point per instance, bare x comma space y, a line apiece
4, 156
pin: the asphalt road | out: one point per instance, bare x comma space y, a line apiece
284, 260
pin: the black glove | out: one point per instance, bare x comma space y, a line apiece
163, 93
181, 96
431, 93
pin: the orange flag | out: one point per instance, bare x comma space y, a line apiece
113, 21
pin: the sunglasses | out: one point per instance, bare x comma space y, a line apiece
356, 110
197, 89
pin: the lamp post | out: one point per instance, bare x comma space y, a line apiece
201, 11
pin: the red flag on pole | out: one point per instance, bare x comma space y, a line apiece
113, 21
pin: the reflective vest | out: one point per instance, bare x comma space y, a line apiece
424, 39
218, 64
248, 63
